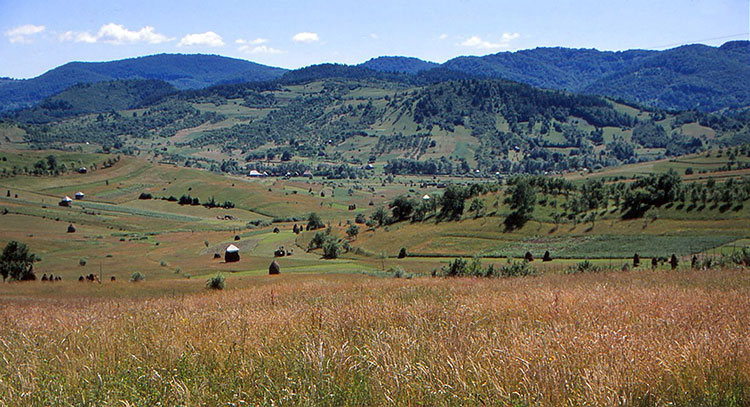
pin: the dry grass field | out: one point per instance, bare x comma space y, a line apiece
642, 338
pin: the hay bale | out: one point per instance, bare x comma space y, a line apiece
71, 228
528, 256
547, 256
236, 237
217, 255
274, 268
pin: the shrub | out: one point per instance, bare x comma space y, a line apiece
584, 267
163, 263
517, 269
137, 276
217, 282
314, 222
455, 268
317, 241
331, 249
399, 272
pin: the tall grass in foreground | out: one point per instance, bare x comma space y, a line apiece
638, 338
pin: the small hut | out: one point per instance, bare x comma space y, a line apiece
71, 228
425, 197
65, 201
232, 254
274, 268
79, 195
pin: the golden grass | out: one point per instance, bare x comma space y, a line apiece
639, 338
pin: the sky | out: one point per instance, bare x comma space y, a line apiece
40, 35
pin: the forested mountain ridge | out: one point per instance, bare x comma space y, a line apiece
181, 71
409, 65
688, 77
683, 78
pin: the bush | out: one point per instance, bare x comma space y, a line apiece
137, 276
314, 222
217, 282
331, 249
163, 263
517, 269
584, 267
317, 241
399, 272
455, 268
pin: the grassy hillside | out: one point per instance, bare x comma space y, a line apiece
333, 127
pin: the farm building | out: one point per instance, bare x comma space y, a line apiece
79, 195
426, 197
82, 170
256, 173
232, 254
65, 201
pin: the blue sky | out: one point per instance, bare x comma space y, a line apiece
40, 35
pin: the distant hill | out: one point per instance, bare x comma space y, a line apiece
98, 97
182, 71
408, 65
698, 77
689, 77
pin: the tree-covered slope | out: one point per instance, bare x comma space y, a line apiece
182, 71
689, 77
409, 65
97, 97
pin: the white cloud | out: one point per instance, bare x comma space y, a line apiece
256, 46
479, 43
305, 37
256, 41
22, 33
116, 34
374, 36
208, 38
443, 36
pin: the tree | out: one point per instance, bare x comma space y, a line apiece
16, 262
402, 207
352, 231
314, 222
477, 205
452, 202
521, 198
380, 216
331, 248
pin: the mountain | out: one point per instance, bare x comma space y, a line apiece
182, 71
98, 97
398, 64
688, 77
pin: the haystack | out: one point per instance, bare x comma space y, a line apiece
232, 254
274, 268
